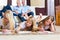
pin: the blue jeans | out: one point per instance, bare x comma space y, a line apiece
22, 18
30, 13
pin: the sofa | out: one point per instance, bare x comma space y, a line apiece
32, 9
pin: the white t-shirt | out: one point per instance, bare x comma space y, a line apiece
22, 25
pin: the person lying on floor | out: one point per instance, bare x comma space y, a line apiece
8, 21
29, 25
25, 26
47, 24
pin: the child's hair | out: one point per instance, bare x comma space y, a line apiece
8, 12
5, 19
30, 28
9, 15
40, 24
43, 21
49, 17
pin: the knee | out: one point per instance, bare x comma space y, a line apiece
32, 13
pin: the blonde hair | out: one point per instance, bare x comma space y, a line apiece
49, 17
9, 16
42, 22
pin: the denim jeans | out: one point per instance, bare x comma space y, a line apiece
22, 18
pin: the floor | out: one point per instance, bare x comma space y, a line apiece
57, 28
55, 36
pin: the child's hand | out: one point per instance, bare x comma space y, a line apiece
52, 22
52, 27
4, 30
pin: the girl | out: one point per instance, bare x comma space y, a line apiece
25, 26
8, 20
47, 24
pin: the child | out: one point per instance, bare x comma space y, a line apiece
47, 24
8, 20
25, 26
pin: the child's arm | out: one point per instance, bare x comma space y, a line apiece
52, 27
21, 26
18, 28
41, 29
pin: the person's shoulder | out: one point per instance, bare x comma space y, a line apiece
23, 22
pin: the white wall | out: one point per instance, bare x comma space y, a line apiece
3, 2
38, 3
14, 2
51, 9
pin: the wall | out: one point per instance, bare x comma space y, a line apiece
3, 2
51, 9
38, 3
14, 2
